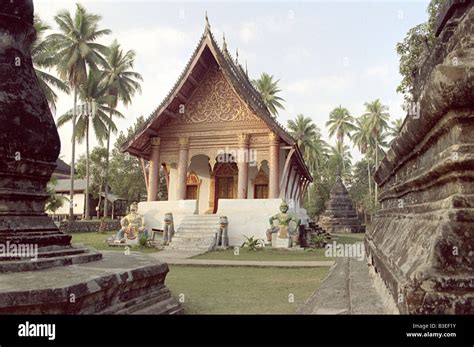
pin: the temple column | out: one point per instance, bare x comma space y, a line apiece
243, 164
274, 167
154, 170
182, 167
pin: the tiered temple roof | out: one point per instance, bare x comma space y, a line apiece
206, 54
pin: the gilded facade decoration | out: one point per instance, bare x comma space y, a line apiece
215, 101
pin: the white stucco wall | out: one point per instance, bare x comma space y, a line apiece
247, 217
200, 166
78, 204
173, 185
154, 211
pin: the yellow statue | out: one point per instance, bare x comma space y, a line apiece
133, 226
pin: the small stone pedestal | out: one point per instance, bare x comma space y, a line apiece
279, 242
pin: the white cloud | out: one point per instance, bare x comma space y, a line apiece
300, 87
318, 85
297, 54
378, 71
248, 32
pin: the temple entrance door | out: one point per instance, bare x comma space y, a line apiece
225, 182
225, 188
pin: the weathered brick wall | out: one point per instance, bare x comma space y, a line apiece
421, 242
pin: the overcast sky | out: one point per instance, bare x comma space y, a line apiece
325, 53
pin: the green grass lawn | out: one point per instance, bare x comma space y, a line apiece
280, 254
236, 290
97, 240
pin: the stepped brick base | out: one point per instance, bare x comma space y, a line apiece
119, 284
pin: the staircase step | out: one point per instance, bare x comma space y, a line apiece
196, 232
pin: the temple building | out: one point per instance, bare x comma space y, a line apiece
215, 139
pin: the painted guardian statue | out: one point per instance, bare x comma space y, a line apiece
133, 227
282, 228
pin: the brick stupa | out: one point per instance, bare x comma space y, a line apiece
340, 215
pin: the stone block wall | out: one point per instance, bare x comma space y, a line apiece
421, 243
89, 226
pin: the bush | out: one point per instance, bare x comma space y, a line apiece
143, 241
253, 244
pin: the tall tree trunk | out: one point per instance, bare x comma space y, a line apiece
73, 154
87, 213
100, 200
368, 176
106, 188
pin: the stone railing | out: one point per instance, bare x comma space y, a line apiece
421, 242
89, 226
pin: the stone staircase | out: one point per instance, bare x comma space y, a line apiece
196, 233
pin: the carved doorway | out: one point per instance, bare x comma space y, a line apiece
192, 186
225, 178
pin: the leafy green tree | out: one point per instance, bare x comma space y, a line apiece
125, 172
414, 47
309, 140
317, 152
323, 181
359, 191
92, 92
44, 58
96, 170
77, 51
341, 154
395, 129
122, 84
54, 201
268, 89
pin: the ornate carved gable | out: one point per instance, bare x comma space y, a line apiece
215, 101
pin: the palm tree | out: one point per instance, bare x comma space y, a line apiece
316, 153
395, 129
92, 92
340, 123
54, 201
303, 131
268, 89
342, 154
77, 51
362, 138
44, 58
122, 84
377, 119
